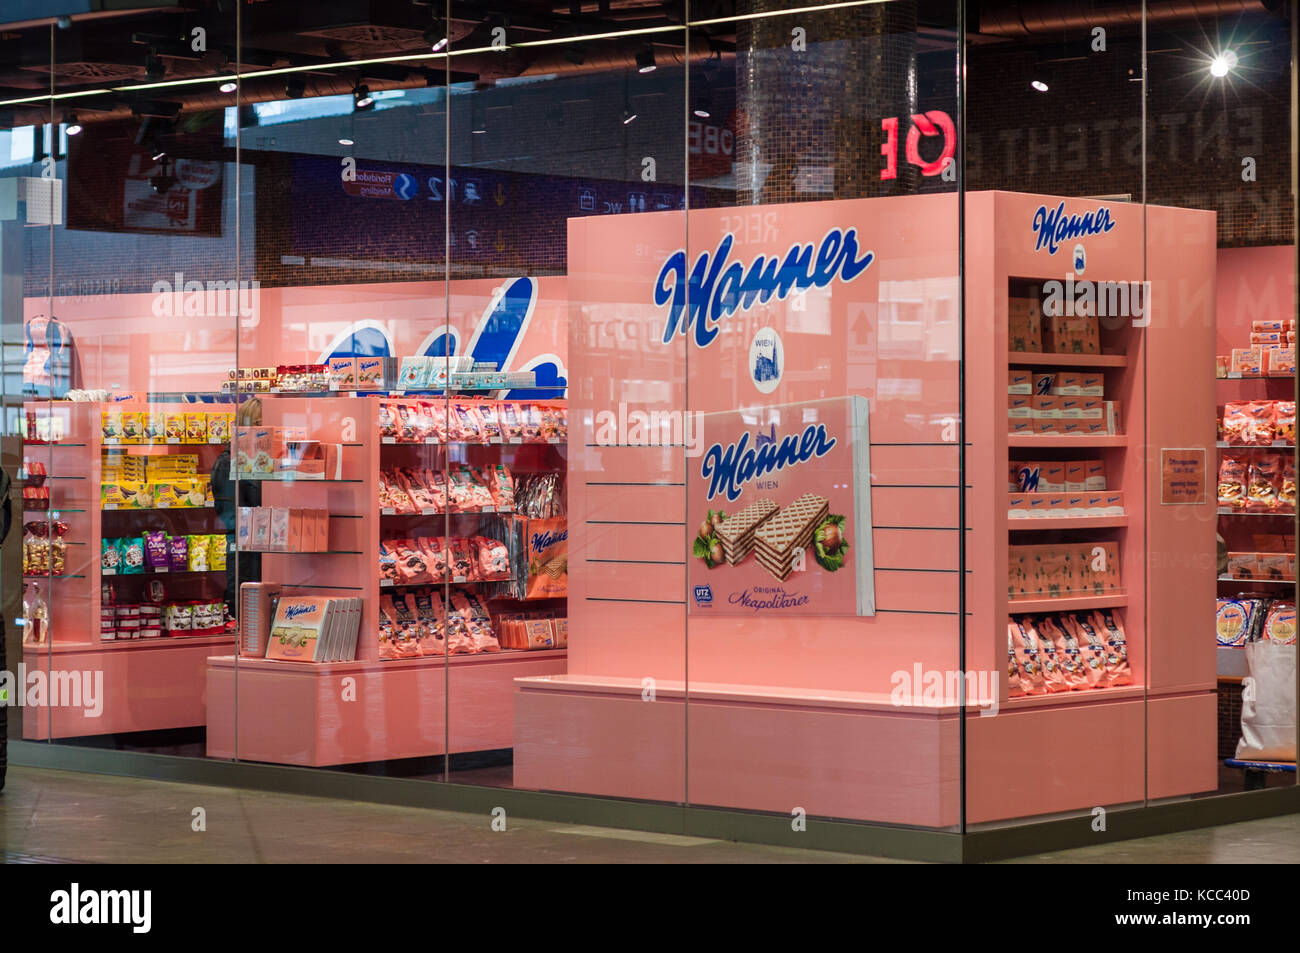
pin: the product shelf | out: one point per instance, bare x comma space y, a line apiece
1089, 696
1109, 600
1275, 445
1066, 522
430, 511
1047, 441
1225, 511
1041, 359
159, 572
1258, 582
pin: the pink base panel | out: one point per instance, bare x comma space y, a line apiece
308, 714
832, 755
147, 686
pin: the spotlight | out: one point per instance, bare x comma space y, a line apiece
703, 113
64, 22
158, 157
228, 87
480, 127
294, 87
361, 98
1039, 85
74, 127
628, 117
645, 60
1223, 64
347, 142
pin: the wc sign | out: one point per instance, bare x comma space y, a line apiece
934, 125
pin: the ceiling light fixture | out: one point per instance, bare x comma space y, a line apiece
645, 60
229, 86
347, 142
361, 98
628, 117
703, 113
158, 157
1223, 64
74, 127
1039, 85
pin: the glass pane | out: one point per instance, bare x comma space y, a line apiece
1054, 216
566, 176
1221, 264
823, 346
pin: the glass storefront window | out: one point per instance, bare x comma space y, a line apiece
609, 400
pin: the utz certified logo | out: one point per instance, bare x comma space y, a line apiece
704, 595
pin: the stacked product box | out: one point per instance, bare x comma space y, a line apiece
121, 426
281, 529
1246, 618
1060, 402
1270, 352
1061, 570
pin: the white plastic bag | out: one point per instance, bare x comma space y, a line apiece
1268, 722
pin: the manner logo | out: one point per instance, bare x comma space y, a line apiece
1052, 227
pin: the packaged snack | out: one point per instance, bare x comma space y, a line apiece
462, 562
196, 427
132, 555
178, 549
370, 373
155, 551
1067, 653
487, 413
388, 424
342, 373
1286, 492
1249, 423
492, 558
218, 544
1108, 624
512, 425
218, 427
1246, 362
155, 427
1279, 624
110, 558
1233, 475
110, 426
1280, 361
1092, 648
502, 486
1264, 483
548, 558
436, 555
410, 565
1024, 648
196, 552
1243, 565
1284, 420
531, 417
132, 427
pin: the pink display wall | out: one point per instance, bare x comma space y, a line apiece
187, 342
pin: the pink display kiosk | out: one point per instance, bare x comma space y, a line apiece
667, 701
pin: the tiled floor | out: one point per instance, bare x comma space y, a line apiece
48, 816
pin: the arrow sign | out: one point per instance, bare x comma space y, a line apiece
501, 194
500, 242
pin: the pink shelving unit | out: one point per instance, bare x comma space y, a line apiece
149, 684
367, 709
802, 714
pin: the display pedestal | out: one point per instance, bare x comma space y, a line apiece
148, 685
349, 712
759, 749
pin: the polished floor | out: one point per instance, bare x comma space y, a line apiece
62, 816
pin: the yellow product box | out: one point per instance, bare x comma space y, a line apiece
196, 427
169, 496
132, 427
217, 551
110, 426
219, 426
175, 427
126, 495
155, 426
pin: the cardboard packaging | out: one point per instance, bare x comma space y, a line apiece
1024, 325
1071, 335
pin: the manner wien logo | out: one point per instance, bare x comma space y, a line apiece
77, 907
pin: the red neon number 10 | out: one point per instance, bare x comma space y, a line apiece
933, 123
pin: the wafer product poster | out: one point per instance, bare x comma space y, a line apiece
779, 512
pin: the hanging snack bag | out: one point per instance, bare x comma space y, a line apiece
1249, 423
1264, 483
1108, 624
178, 553
1233, 475
1284, 420
110, 557
1286, 492
436, 556
487, 412
155, 551
1279, 624
132, 555
1067, 653
1053, 676
1025, 650
1092, 648
512, 425
462, 559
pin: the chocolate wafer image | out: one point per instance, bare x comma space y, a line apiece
783, 535
737, 532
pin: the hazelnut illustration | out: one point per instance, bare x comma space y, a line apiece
706, 529
715, 553
831, 539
